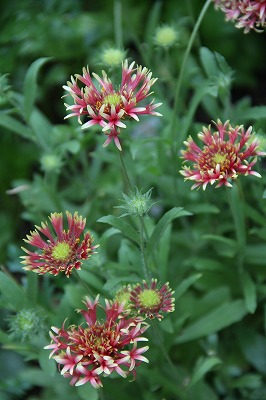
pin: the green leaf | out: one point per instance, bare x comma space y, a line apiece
8, 122
111, 283
185, 284
47, 365
30, 85
12, 295
203, 366
122, 226
255, 113
223, 316
250, 293
209, 62
87, 392
159, 229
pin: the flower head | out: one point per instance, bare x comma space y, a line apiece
113, 57
99, 348
248, 14
110, 107
165, 36
59, 250
152, 299
25, 324
225, 155
136, 204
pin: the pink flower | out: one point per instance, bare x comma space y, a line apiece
151, 299
225, 155
248, 14
85, 353
59, 250
110, 107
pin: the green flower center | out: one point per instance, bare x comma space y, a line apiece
219, 158
149, 298
61, 251
112, 99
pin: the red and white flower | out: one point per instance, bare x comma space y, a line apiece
85, 353
228, 152
58, 250
110, 107
247, 14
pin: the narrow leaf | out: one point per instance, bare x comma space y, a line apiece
185, 284
159, 229
202, 367
30, 85
8, 122
250, 293
122, 226
12, 294
223, 316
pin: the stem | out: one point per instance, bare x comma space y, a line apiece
178, 379
144, 263
184, 62
82, 282
125, 174
118, 23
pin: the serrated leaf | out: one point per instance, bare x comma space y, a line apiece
160, 227
219, 318
203, 366
30, 85
122, 226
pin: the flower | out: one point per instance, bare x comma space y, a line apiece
165, 36
113, 57
60, 252
108, 107
25, 324
151, 299
136, 204
85, 353
248, 14
224, 156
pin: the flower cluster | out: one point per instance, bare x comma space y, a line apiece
86, 353
248, 14
148, 300
61, 250
224, 156
110, 107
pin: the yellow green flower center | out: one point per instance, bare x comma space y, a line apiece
219, 158
149, 298
165, 36
61, 251
112, 99
113, 57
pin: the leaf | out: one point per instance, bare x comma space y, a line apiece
13, 295
250, 293
122, 226
30, 85
111, 283
185, 284
47, 365
255, 113
202, 367
87, 392
219, 318
15, 126
159, 229
209, 62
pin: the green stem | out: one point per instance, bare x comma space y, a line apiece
124, 170
184, 62
82, 282
118, 23
144, 263
182, 392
